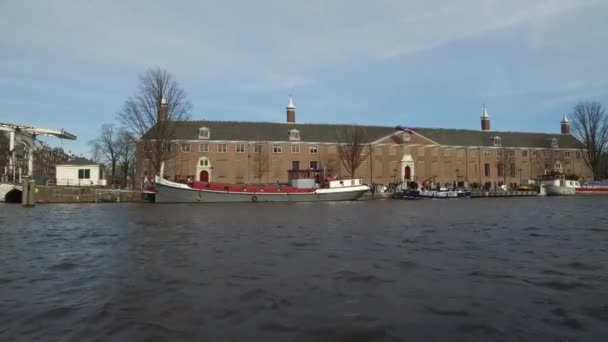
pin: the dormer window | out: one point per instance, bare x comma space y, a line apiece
294, 135
496, 141
203, 133
554, 143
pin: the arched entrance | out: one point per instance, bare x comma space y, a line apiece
13, 196
203, 169
407, 175
204, 176
407, 168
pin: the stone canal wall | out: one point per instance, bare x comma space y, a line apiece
68, 194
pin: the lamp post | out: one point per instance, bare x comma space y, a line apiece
457, 176
394, 175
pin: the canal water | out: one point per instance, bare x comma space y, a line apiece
525, 269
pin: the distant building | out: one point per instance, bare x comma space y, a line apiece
227, 151
80, 172
45, 160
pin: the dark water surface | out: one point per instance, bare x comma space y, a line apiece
533, 269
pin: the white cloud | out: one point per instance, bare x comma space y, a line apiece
272, 44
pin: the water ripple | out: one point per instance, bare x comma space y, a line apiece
362, 271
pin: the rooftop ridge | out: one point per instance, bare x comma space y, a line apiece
365, 125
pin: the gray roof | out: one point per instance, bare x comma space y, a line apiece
327, 133
78, 161
465, 137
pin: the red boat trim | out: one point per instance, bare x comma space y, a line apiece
246, 189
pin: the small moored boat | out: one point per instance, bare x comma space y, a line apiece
415, 194
592, 188
560, 187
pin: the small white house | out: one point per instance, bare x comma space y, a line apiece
80, 172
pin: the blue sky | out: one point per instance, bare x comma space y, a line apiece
71, 64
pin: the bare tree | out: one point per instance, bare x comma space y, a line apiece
260, 161
46, 159
127, 157
352, 149
107, 147
504, 163
151, 113
590, 124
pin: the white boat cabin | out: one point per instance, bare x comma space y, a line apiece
343, 183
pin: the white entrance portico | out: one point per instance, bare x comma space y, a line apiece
203, 170
407, 168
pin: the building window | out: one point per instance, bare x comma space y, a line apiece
496, 141
294, 135
554, 143
524, 153
533, 153
222, 148
501, 170
295, 165
313, 149
257, 148
84, 173
277, 149
168, 147
557, 166
499, 153
203, 148
556, 154
186, 147
511, 153
567, 154
486, 169
512, 170
204, 162
203, 133
295, 149
486, 153
578, 154
240, 148
314, 165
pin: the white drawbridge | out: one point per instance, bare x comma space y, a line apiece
27, 136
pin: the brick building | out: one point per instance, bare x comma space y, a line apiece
252, 152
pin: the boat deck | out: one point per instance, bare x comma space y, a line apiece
248, 188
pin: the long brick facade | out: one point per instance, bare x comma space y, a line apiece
228, 153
